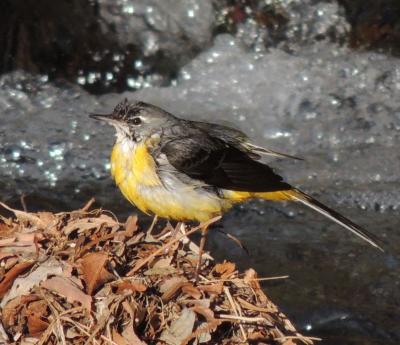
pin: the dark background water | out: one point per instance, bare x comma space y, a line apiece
319, 79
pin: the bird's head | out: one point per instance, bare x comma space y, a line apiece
136, 120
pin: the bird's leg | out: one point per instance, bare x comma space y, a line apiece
176, 230
204, 231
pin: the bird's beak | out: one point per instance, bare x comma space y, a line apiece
103, 117
112, 120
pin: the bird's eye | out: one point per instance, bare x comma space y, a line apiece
136, 121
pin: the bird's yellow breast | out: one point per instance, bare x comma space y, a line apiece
135, 173
134, 169
135, 160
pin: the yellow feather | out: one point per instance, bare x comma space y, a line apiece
133, 167
283, 195
134, 171
144, 167
137, 162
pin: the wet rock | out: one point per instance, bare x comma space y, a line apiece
375, 24
103, 45
177, 27
285, 24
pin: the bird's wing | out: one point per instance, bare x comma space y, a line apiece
236, 137
261, 150
221, 165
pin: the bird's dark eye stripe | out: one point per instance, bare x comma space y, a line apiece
133, 111
136, 121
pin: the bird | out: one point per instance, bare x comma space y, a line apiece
187, 170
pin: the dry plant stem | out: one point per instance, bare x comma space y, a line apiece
234, 308
88, 205
176, 229
174, 233
78, 326
300, 337
102, 322
153, 224
203, 239
169, 244
243, 319
57, 328
242, 279
85, 330
46, 334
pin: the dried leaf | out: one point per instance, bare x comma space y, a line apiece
207, 313
163, 263
180, 329
36, 313
289, 342
205, 303
30, 237
131, 225
71, 333
22, 285
26, 216
94, 273
130, 286
131, 336
4, 339
225, 269
49, 219
82, 224
7, 241
257, 336
202, 332
85, 224
162, 267
129, 333
12, 274
5, 230
215, 288
9, 261
67, 289
12, 308
110, 221
118, 338
165, 271
170, 287
192, 291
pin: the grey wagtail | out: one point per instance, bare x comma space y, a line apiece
193, 171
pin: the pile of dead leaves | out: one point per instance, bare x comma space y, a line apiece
82, 277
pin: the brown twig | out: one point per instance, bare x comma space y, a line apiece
140, 264
243, 279
233, 305
88, 205
306, 340
245, 319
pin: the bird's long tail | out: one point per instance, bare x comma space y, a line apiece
299, 196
